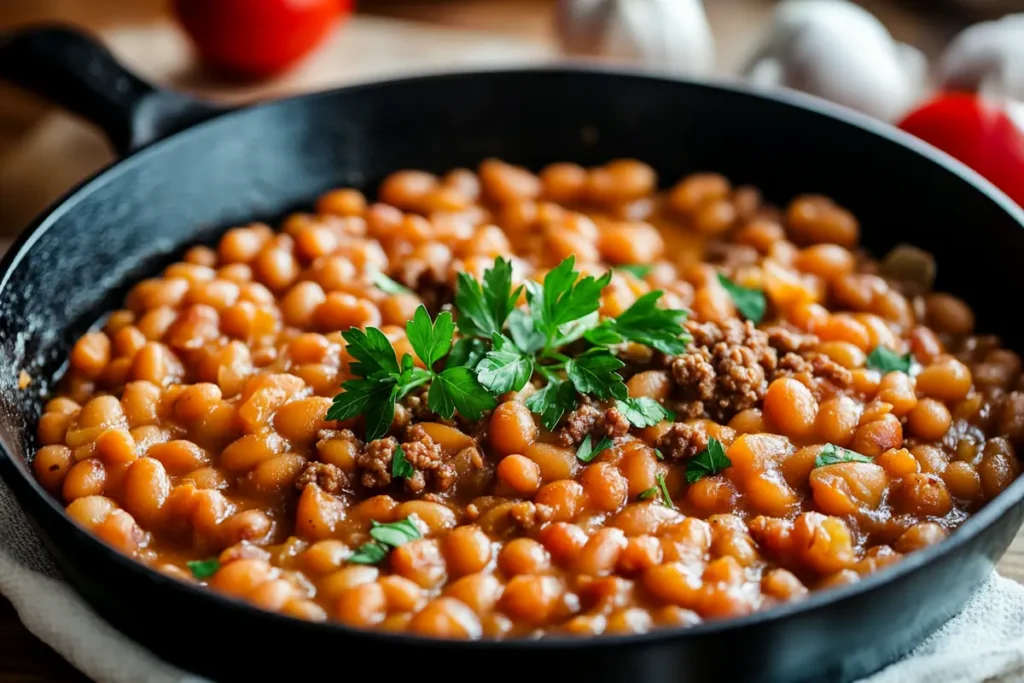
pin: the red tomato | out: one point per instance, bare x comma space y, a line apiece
979, 133
257, 38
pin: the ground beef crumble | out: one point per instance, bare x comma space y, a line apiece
726, 368
579, 423
589, 419
615, 423
413, 408
431, 469
683, 441
785, 340
793, 364
330, 478
824, 367
375, 462
426, 456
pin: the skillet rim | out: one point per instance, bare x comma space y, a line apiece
22, 483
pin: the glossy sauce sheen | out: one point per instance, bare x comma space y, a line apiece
191, 425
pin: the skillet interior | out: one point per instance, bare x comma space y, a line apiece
258, 163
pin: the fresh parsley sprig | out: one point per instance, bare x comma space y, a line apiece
644, 412
666, 499
484, 308
401, 468
588, 451
502, 347
831, 454
708, 462
385, 537
387, 285
659, 490
644, 323
506, 367
561, 310
553, 401
564, 300
203, 569
884, 359
751, 303
594, 372
384, 381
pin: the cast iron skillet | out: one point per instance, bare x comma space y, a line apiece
222, 169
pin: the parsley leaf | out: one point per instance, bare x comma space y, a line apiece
487, 362
385, 537
523, 332
468, 351
645, 323
750, 303
666, 499
587, 451
708, 462
564, 297
570, 332
498, 292
505, 368
658, 454
461, 391
430, 341
553, 401
593, 372
369, 553
203, 569
439, 401
831, 454
394, 534
371, 349
380, 414
411, 377
483, 309
374, 398
475, 319
389, 286
885, 359
401, 468
647, 494
604, 334
358, 394
643, 412
641, 270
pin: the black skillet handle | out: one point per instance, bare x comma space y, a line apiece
75, 71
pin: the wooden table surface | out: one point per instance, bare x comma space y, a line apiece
25, 659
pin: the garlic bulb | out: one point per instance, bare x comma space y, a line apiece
841, 52
669, 34
987, 58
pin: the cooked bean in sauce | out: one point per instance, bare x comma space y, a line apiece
660, 407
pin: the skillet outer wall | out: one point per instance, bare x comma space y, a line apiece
133, 219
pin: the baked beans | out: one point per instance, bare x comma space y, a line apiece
816, 418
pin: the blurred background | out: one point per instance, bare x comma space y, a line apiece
199, 46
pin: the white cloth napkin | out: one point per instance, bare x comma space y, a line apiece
985, 642
52, 611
